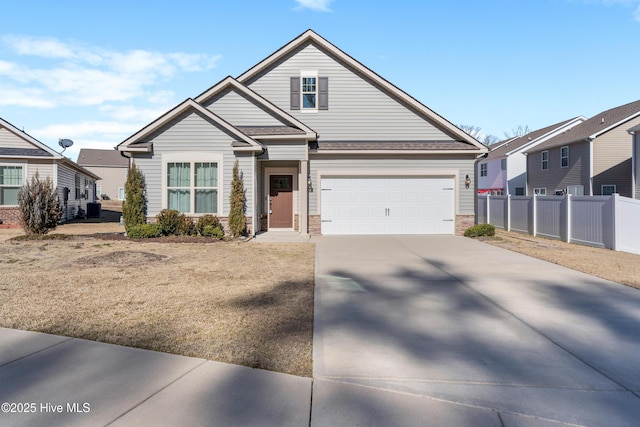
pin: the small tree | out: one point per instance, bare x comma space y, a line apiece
39, 206
134, 207
237, 200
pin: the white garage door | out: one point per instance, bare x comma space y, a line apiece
402, 205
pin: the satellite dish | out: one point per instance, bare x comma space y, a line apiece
65, 143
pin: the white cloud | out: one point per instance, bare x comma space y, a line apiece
74, 74
319, 5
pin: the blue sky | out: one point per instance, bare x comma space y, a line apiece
96, 72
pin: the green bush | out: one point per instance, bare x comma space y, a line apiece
170, 220
187, 227
237, 200
211, 231
134, 207
144, 231
479, 230
39, 206
207, 220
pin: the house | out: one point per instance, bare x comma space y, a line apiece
635, 162
504, 170
112, 168
324, 145
592, 158
21, 156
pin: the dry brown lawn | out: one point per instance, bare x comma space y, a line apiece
620, 267
241, 303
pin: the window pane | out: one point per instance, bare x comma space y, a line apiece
206, 201
11, 175
9, 196
206, 174
178, 174
309, 100
179, 200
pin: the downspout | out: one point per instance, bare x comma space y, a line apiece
590, 139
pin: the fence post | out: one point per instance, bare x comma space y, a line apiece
534, 215
615, 220
568, 218
488, 210
508, 212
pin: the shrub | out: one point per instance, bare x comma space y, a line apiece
134, 207
39, 206
144, 231
206, 220
237, 200
211, 231
170, 221
479, 230
187, 227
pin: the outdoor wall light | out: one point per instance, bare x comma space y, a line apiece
467, 181
309, 183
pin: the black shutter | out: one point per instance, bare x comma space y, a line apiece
323, 93
295, 93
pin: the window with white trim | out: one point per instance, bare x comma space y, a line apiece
483, 169
575, 190
121, 194
77, 187
10, 182
564, 156
544, 160
309, 92
540, 191
192, 187
607, 189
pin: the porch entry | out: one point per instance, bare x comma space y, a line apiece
281, 201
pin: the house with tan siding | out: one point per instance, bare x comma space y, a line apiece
324, 145
111, 166
592, 158
21, 157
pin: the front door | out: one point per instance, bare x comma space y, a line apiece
281, 201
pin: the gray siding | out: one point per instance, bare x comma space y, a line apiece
192, 133
556, 177
10, 140
612, 159
358, 110
239, 111
66, 178
44, 169
420, 165
285, 150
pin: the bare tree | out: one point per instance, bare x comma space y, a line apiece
476, 132
518, 131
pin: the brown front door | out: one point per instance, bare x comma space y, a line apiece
281, 201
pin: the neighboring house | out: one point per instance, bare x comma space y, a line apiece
592, 158
504, 170
21, 156
635, 162
112, 168
324, 145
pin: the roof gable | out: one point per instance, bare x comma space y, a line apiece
285, 122
136, 141
531, 139
594, 127
310, 37
32, 148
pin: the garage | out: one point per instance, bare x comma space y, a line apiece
388, 205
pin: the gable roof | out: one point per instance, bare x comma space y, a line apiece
594, 127
40, 150
310, 36
291, 125
101, 158
518, 142
135, 142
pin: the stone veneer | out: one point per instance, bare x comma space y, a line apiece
463, 222
314, 225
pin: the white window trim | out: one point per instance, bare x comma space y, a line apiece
615, 188
24, 176
563, 157
193, 157
303, 75
541, 191
543, 160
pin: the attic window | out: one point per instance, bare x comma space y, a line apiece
308, 92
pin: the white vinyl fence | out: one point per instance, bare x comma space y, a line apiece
611, 222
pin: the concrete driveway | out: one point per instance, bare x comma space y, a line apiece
502, 338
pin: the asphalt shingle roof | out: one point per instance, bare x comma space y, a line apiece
93, 157
270, 130
34, 152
